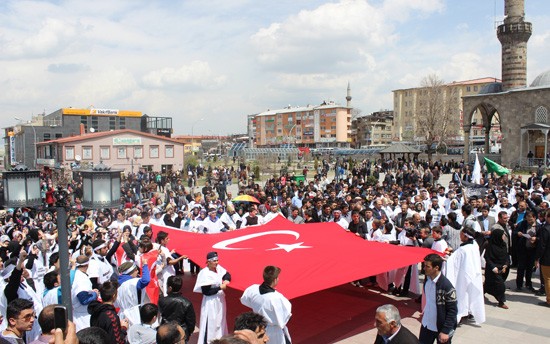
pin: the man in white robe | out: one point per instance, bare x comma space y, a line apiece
211, 282
131, 290
275, 308
272, 214
100, 270
464, 272
82, 294
212, 224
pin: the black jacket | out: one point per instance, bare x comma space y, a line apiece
543, 245
175, 307
105, 316
404, 336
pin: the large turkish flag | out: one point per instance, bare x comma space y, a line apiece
312, 257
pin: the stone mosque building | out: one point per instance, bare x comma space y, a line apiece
523, 111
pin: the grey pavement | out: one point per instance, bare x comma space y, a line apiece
524, 322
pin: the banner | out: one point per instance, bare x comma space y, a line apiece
472, 189
312, 257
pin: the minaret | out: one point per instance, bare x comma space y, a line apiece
513, 36
348, 97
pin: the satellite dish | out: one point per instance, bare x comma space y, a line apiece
92, 130
78, 158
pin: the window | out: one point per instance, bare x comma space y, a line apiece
475, 88
468, 88
122, 123
95, 122
138, 152
121, 152
47, 137
69, 153
153, 151
541, 115
112, 123
87, 153
84, 120
169, 151
58, 135
105, 153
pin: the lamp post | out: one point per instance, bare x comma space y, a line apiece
192, 137
101, 189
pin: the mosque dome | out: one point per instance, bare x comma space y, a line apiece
542, 79
494, 87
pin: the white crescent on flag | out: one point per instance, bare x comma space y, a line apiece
223, 245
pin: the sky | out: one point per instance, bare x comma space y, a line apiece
221, 60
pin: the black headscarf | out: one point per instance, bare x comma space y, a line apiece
497, 250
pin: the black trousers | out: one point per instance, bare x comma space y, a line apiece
428, 337
526, 263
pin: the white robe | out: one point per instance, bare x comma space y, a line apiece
274, 307
99, 268
213, 227
81, 317
213, 321
464, 272
127, 300
51, 297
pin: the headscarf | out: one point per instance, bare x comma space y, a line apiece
497, 250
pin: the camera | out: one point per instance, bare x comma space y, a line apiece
411, 232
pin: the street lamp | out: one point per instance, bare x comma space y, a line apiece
101, 187
192, 138
22, 188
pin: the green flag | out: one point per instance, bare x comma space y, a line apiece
494, 167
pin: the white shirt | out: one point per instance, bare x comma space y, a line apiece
429, 319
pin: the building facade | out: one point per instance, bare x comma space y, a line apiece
522, 111
409, 103
374, 130
326, 125
125, 149
20, 140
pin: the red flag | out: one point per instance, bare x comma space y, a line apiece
312, 257
153, 287
120, 255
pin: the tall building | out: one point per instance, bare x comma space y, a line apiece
409, 104
374, 130
325, 125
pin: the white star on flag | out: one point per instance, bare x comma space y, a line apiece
289, 247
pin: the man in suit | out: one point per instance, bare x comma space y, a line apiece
486, 222
390, 330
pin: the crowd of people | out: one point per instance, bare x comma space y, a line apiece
128, 283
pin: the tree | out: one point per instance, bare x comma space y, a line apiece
437, 105
355, 112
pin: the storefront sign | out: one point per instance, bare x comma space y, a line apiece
126, 141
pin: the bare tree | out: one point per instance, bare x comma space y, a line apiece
436, 111
355, 112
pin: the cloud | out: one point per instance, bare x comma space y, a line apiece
53, 37
105, 88
334, 35
67, 68
195, 75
